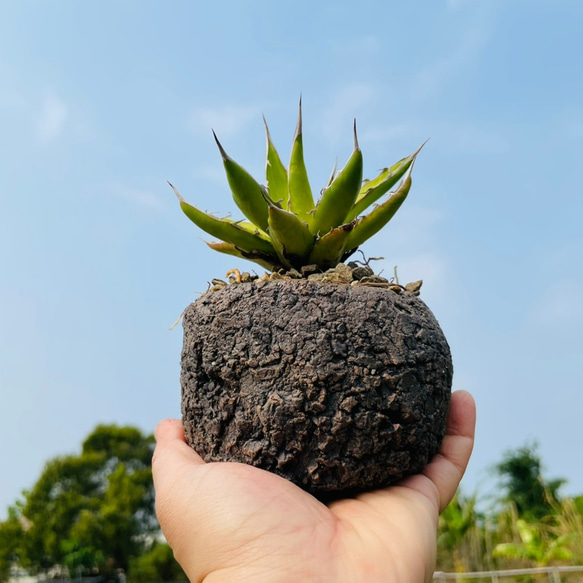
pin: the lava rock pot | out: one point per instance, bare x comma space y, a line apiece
338, 388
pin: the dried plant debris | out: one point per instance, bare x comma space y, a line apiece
352, 273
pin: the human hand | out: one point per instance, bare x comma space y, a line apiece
234, 522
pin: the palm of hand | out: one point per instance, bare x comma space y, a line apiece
233, 522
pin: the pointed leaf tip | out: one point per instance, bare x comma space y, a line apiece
356, 147
267, 132
299, 124
224, 154
414, 154
178, 195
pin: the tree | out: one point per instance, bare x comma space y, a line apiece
521, 474
10, 540
156, 565
93, 510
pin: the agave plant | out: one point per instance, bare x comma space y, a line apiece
285, 228
339, 388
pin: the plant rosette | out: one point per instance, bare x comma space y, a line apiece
318, 371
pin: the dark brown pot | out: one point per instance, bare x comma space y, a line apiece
338, 388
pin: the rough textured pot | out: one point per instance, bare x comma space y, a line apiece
338, 388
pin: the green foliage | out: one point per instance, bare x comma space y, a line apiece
92, 510
158, 564
535, 545
287, 229
470, 541
528, 525
80, 557
456, 520
568, 520
521, 475
461, 543
95, 511
125, 444
10, 542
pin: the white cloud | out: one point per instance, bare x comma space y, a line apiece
54, 114
457, 4
560, 306
226, 121
434, 78
463, 137
387, 133
558, 301
140, 197
9, 99
343, 107
214, 174
364, 46
570, 124
457, 136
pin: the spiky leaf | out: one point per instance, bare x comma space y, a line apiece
338, 199
372, 223
291, 237
372, 190
247, 192
226, 229
332, 174
275, 173
330, 248
266, 261
301, 201
286, 229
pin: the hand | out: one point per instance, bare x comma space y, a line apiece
233, 522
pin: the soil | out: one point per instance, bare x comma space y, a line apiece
338, 388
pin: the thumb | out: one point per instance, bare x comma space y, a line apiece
172, 454
448, 467
440, 479
173, 465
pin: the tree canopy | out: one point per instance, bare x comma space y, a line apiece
92, 511
521, 474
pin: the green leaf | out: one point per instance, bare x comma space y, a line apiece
301, 201
269, 262
291, 237
276, 173
372, 223
510, 551
338, 199
332, 174
372, 190
525, 531
226, 229
247, 192
329, 249
251, 228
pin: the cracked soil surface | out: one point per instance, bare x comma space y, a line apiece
338, 388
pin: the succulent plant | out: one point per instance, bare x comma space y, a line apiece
285, 228
336, 384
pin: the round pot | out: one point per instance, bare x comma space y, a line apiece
338, 388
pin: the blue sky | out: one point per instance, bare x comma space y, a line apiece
101, 103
